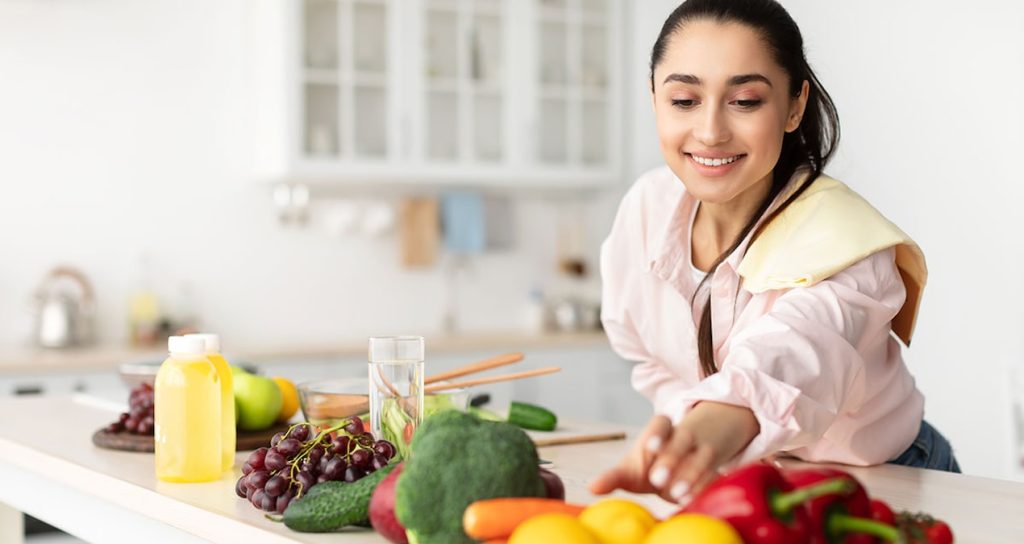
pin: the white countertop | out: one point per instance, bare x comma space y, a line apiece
38, 360
50, 469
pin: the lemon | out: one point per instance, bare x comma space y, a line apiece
560, 528
693, 528
618, 521
290, 396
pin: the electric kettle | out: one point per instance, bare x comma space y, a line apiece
64, 309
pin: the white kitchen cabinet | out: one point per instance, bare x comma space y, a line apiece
505, 93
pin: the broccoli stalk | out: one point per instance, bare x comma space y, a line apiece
457, 459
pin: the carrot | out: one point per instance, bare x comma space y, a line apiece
497, 518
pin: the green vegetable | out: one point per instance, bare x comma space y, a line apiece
329, 506
456, 460
529, 416
485, 414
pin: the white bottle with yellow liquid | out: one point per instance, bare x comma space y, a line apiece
227, 396
187, 431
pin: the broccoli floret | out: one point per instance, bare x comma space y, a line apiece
458, 459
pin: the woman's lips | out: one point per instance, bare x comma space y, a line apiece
713, 171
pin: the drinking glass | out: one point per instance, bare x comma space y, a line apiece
396, 388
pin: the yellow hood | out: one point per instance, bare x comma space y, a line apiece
825, 230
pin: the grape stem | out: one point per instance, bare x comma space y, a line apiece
316, 442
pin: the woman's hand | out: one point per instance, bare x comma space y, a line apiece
676, 461
631, 472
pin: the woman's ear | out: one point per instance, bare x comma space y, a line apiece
796, 108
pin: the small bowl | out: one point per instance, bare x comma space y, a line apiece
457, 399
327, 402
136, 373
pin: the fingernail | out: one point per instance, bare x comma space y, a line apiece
653, 443
659, 476
679, 490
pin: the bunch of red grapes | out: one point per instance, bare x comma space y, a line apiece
302, 457
139, 417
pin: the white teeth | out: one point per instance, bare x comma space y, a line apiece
714, 162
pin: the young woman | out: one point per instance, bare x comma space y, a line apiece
760, 298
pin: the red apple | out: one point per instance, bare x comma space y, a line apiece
552, 484
382, 509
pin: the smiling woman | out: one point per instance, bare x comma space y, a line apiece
759, 297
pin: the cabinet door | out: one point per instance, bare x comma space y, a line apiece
459, 55
576, 67
347, 79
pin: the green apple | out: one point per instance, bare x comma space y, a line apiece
258, 401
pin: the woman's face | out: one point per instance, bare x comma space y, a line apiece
722, 106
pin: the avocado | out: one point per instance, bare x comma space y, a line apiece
332, 505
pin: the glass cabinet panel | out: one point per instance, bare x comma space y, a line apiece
321, 120
345, 78
370, 43
574, 67
463, 63
442, 125
320, 44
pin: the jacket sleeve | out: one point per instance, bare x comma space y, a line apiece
797, 366
624, 257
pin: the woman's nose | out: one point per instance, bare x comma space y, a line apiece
712, 129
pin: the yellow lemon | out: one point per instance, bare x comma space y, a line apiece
618, 521
693, 528
290, 396
560, 528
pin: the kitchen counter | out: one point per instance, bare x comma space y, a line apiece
98, 358
50, 469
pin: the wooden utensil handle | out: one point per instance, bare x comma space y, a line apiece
486, 364
491, 379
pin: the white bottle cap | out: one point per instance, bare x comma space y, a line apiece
185, 344
211, 341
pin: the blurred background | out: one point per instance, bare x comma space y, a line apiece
299, 175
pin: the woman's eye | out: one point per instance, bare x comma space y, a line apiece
683, 103
748, 104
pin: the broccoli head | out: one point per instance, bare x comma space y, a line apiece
458, 459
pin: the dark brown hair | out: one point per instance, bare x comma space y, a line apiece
808, 148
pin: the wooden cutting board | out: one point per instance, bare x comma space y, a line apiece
576, 432
244, 441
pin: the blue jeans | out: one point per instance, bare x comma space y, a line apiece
929, 450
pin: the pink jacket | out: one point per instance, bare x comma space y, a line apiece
818, 366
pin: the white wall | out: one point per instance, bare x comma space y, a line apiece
927, 94
123, 132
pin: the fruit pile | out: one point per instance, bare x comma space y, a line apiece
302, 457
754, 504
139, 417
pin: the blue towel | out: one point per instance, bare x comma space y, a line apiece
463, 223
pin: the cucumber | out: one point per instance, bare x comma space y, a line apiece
531, 416
332, 505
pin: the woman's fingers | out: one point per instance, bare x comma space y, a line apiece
671, 456
692, 473
654, 436
609, 481
631, 473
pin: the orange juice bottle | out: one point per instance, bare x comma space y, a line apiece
227, 396
187, 431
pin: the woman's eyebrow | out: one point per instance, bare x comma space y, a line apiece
733, 81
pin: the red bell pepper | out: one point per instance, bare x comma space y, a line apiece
840, 519
880, 511
761, 505
922, 528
